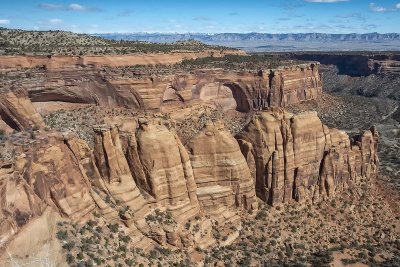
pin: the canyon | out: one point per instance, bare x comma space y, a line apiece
242, 91
139, 174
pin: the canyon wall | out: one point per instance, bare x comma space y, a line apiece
242, 91
385, 65
17, 111
297, 157
140, 175
59, 62
356, 64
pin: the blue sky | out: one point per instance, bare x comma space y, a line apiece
271, 16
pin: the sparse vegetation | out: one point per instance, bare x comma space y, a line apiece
17, 42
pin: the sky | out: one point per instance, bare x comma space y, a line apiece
207, 16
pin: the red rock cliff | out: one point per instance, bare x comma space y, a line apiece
297, 157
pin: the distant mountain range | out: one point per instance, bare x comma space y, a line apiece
275, 42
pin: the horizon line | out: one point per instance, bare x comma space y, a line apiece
208, 33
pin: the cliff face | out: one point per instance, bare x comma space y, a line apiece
356, 64
139, 171
297, 157
222, 176
140, 175
43, 175
129, 177
78, 62
17, 111
162, 168
385, 65
229, 90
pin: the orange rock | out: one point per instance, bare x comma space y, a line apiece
17, 111
297, 157
222, 176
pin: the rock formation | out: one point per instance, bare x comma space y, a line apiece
141, 176
222, 176
170, 92
384, 65
59, 62
44, 175
162, 168
297, 157
17, 111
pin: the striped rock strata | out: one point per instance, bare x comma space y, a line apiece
297, 157
243, 91
17, 111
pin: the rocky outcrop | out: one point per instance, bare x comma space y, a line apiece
140, 176
222, 176
60, 62
385, 66
242, 91
162, 168
247, 91
17, 111
44, 175
297, 157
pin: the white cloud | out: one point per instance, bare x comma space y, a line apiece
55, 21
69, 7
375, 8
326, 1
4, 21
48, 6
380, 9
76, 7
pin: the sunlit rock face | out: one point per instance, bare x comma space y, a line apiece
17, 111
228, 90
297, 157
222, 176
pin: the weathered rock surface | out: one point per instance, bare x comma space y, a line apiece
17, 111
244, 91
385, 65
44, 175
162, 168
77, 62
230, 90
297, 157
141, 176
222, 176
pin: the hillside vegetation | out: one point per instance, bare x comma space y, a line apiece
16, 42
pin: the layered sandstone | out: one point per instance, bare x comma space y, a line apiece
17, 111
297, 157
78, 62
140, 170
162, 168
44, 175
384, 66
242, 91
222, 176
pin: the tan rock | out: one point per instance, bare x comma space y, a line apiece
297, 157
220, 170
45, 175
17, 111
243, 91
162, 168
